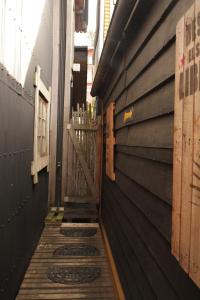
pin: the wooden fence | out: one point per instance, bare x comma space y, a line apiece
84, 156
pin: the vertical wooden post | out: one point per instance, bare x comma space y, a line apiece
99, 155
195, 215
101, 162
110, 141
54, 103
177, 161
35, 150
186, 180
187, 153
67, 92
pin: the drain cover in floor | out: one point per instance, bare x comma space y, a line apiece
77, 250
78, 232
73, 275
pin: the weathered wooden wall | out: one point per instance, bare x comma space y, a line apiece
137, 207
22, 205
80, 78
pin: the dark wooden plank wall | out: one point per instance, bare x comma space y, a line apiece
137, 207
22, 205
80, 78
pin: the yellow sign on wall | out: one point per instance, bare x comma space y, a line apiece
128, 115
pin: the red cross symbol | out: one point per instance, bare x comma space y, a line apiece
182, 61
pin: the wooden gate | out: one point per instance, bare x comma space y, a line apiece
83, 157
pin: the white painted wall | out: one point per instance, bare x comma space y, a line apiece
19, 26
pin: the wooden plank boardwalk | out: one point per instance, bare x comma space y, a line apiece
81, 212
36, 283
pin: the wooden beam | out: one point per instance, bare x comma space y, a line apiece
79, 199
99, 150
110, 141
85, 127
195, 216
186, 175
177, 159
187, 156
40, 161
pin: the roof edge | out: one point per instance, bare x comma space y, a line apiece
123, 11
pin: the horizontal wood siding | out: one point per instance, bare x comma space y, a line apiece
137, 207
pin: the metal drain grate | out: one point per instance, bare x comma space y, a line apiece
77, 250
73, 275
78, 232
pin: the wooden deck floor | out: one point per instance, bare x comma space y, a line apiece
37, 285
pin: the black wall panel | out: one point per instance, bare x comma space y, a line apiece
137, 207
80, 78
23, 206
61, 90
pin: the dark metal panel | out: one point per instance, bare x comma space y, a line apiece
61, 90
22, 205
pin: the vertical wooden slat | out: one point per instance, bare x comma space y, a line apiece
186, 207
177, 161
195, 222
99, 156
70, 165
110, 141
36, 123
85, 133
187, 154
83, 163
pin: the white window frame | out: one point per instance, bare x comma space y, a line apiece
40, 161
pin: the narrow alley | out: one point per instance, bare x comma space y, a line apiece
99, 149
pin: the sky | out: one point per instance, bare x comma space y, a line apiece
92, 15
